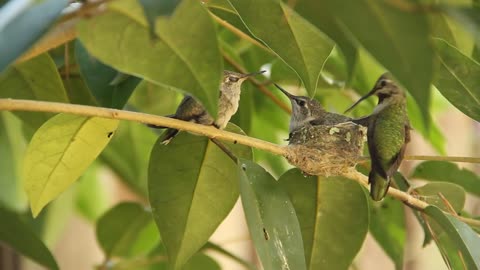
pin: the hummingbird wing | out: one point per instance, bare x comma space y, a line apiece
398, 159
375, 156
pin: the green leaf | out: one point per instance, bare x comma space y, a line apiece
59, 152
466, 241
186, 57
78, 91
99, 78
448, 172
468, 16
299, 44
18, 235
325, 207
398, 39
192, 186
36, 79
12, 148
387, 226
327, 22
154, 99
19, 33
454, 194
118, 240
271, 219
456, 79
153, 9
128, 154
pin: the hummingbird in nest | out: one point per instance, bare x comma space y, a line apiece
309, 112
388, 134
193, 111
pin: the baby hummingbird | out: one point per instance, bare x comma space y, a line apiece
191, 110
388, 134
309, 112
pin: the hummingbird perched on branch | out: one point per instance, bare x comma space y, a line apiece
191, 110
388, 134
309, 112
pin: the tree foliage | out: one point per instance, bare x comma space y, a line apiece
141, 55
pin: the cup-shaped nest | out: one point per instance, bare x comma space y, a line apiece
326, 149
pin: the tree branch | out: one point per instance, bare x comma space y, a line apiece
209, 131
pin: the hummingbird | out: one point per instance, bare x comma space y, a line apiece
193, 111
309, 112
388, 134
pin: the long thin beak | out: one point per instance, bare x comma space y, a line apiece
290, 96
253, 73
361, 99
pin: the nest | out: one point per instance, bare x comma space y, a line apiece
326, 149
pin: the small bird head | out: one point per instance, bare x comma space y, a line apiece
304, 109
233, 78
384, 88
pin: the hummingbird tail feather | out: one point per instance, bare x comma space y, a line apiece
169, 135
378, 185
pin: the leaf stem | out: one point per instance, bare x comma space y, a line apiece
441, 158
433, 158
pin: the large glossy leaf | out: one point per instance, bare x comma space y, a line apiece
327, 22
185, 57
271, 219
454, 194
387, 226
295, 40
36, 79
153, 9
59, 153
468, 16
118, 240
22, 30
12, 147
128, 154
398, 39
192, 186
325, 207
18, 235
456, 79
466, 241
100, 77
448, 172
77, 90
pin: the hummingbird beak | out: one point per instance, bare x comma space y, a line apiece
290, 96
253, 74
362, 98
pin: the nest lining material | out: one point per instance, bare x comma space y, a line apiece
326, 149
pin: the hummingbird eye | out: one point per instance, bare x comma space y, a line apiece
383, 83
300, 102
233, 79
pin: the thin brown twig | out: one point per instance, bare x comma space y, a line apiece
239, 33
209, 131
447, 204
364, 160
225, 149
258, 84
